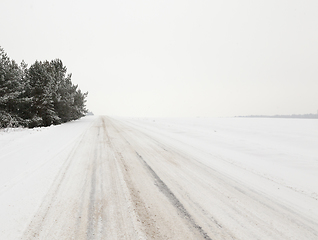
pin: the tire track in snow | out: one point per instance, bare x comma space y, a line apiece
35, 226
76, 205
173, 199
146, 216
138, 203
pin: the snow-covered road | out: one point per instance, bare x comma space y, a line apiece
105, 178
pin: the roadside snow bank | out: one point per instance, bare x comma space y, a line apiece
29, 161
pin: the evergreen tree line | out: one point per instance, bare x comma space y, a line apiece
40, 95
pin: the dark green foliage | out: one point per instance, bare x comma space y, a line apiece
41, 95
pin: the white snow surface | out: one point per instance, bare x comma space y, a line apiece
278, 157
30, 159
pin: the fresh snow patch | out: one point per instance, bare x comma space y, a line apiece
29, 161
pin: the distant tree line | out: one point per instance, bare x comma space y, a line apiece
40, 95
309, 116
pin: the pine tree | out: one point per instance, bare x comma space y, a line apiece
41, 90
41, 95
10, 89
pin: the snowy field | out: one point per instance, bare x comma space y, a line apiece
275, 157
271, 163
280, 151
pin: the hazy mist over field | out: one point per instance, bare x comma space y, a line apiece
175, 58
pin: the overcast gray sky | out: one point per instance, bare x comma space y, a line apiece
175, 58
